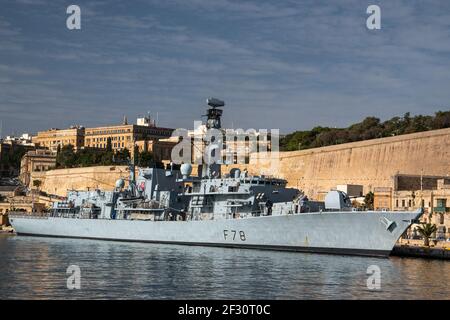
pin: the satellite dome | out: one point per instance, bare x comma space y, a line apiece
186, 169
120, 183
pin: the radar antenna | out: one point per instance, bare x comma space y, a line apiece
213, 114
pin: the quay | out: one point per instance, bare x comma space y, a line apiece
7, 230
421, 252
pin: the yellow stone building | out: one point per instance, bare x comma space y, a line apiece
382, 198
36, 161
53, 138
161, 149
125, 135
144, 135
236, 150
412, 192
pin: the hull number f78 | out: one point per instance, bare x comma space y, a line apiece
233, 235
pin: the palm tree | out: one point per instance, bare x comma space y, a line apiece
426, 230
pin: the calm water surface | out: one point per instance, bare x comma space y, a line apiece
35, 268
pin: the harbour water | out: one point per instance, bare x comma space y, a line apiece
35, 268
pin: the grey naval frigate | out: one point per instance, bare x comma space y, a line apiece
169, 205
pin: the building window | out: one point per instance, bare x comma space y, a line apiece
403, 203
441, 205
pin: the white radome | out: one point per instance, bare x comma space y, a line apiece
186, 169
120, 183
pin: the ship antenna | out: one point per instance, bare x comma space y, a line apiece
132, 179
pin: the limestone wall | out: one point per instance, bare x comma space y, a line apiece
371, 163
59, 181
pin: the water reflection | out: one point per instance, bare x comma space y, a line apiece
35, 268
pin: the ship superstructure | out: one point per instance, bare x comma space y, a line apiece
234, 209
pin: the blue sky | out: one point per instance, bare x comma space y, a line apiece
278, 64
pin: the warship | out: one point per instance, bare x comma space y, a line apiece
169, 205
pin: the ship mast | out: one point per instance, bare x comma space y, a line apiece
209, 168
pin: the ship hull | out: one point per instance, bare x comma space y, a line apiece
354, 233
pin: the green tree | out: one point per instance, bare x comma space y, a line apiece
66, 158
145, 159
37, 184
369, 128
122, 156
135, 153
426, 230
441, 120
368, 200
109, 145
11, 160
145, 145
86, 157
107, 158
